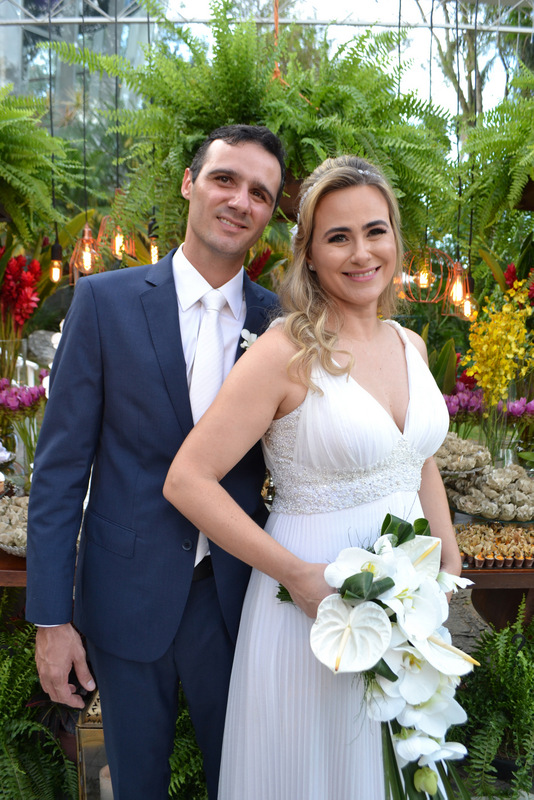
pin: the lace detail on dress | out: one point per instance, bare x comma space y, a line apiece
303, 489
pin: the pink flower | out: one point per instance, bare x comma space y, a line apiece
516, 408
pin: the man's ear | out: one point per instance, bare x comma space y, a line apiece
187, 183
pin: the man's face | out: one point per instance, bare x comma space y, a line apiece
230, 203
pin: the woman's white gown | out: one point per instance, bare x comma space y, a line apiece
294, 730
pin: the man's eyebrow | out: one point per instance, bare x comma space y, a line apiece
232, 173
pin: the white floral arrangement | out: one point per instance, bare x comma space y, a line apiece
386, 622
248, 338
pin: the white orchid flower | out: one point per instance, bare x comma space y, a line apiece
435, 716
419, 604
248, 338
353, 560
411, 745
349, 638
448, 751
417, 680
383, 699
451, 583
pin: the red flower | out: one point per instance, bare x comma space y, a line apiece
468, 380
257, 264
18, 295
510, 276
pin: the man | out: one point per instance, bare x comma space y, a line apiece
153, 608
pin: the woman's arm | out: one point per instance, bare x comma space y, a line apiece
436, 510
257, 390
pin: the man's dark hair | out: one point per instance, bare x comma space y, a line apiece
243, 134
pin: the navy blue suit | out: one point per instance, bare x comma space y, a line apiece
119, 405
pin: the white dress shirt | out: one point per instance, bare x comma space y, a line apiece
190, 287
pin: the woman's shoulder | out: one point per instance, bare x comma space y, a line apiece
412, 337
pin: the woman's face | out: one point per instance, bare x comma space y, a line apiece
353, 248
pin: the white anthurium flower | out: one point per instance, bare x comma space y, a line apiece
451, 583
424, 553
417, 680
384, 701
352, 560
349, 638
248, 338
435, 716
443, 656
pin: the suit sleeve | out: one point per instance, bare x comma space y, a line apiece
63, 461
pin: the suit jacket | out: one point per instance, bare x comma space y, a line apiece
119, 406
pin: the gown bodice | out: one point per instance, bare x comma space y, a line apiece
340, 448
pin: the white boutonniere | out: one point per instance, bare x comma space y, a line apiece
248, 338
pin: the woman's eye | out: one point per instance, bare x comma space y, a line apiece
377, 231
338, 237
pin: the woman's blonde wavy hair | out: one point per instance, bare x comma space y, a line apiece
307, 307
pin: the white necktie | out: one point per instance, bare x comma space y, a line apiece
208, 367
207, 373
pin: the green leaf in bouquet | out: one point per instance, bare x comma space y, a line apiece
378, 587
283, 595
401, 530
357, 586
446, 773
421, 527
381, 668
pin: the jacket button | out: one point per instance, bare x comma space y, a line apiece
187, 544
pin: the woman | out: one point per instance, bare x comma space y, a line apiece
350, 417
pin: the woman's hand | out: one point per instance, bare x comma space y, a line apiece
308, 588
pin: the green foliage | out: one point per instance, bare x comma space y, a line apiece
32, 765
29, 157
498, 697
443, 366
332, 104
187, 776
501, 149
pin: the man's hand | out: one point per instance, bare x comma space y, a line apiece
58, 650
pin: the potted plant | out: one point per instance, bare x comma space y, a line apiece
346, 101
498, 697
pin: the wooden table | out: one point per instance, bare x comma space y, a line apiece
497, 592
12, 570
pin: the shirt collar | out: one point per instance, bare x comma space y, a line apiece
191, 286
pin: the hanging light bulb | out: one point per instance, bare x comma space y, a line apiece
56, 262
456, 290
118, 243
84, 256
426, 273
153, 238
459, 301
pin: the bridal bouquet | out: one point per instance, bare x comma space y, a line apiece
385, 621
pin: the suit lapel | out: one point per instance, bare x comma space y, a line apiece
256, 319
161, 309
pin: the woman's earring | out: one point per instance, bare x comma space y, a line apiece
311, 267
